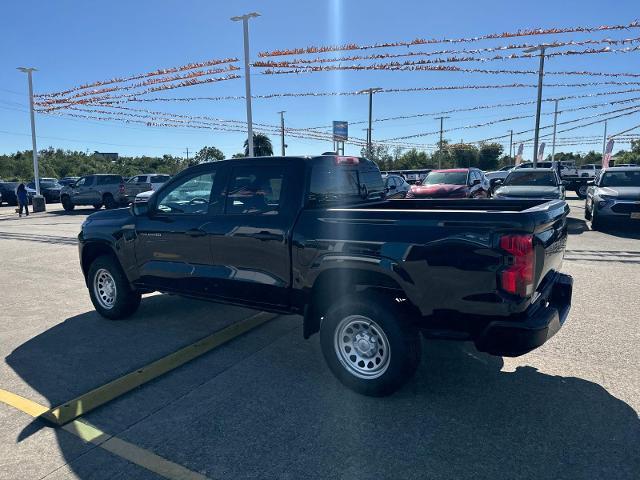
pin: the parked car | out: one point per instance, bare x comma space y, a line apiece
142, 183
66, 181
396, 186
143, 197
589, 170
615, 196
452, 183
542, 183
49, 189
625, 165
366, 272
567, 167
501, 174
96, 190
8, 192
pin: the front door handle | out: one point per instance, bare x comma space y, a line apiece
196, 232
265, 236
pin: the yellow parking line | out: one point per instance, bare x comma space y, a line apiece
117, 446
23, 404
89, 401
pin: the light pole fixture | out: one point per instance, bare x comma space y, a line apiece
247, 74
282, 131
36, 177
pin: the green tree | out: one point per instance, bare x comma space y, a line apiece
261, 146
463, 155
209, 154
412, 159
488, 156
238, 155
380, 155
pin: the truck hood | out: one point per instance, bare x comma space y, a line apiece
117, 215
622, 193
440, 190
528, 192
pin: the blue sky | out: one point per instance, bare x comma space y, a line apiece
73, 42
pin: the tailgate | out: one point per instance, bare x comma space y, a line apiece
550, 239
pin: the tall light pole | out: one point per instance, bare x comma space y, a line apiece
36, 176
371, 91
555, 124
440, 143
247, 74
282, 130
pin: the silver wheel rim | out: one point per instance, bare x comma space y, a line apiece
362, 347
104, 288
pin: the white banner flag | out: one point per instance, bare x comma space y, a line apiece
541, 151
519, 155
607, 154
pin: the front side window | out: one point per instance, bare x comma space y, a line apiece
255, 190
109, 179
81, 182
191, 196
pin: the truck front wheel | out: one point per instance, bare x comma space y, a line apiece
369, 345
109, 289
67, 204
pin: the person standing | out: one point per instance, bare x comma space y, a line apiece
23, 199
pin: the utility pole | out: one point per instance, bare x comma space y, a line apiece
555, 124
510, 143
282, 131
536, 137
36, 176
187, 152
440, 143
371, 91
247, 74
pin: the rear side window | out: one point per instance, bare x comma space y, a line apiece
159, 178
255, 190
109, 179
345, 183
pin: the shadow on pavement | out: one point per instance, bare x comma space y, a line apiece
280, 414
631, 231
576, 226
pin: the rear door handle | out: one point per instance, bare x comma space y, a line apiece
195, 232
265, 236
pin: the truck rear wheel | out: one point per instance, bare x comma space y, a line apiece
109, 202
581, 191
66, 203
369, 345
109, 289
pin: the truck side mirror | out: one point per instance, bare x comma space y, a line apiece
139, 209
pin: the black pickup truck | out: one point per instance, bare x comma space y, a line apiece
317, 237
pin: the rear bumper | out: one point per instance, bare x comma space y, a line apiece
539, 324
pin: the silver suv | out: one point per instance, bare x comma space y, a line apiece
95, 190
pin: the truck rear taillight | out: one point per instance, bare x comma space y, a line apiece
347, 161
121, 188
517, 278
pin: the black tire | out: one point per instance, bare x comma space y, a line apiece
125, 300
402, 339
581, 191
66, 203
596, 223
587, 213
97, 206
109, 202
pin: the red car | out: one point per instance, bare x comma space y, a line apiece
452, 183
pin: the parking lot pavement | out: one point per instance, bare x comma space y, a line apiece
265, 406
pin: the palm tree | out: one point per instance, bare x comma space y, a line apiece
261, 146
